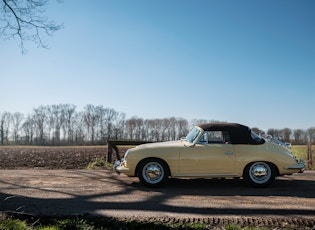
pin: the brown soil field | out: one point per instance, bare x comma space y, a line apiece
24, 157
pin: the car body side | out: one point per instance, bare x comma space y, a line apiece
209, 160
213, 150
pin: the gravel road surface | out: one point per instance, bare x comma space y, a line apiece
101, 192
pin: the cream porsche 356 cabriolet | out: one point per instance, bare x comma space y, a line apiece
212, 150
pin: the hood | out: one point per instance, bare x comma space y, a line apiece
160, 144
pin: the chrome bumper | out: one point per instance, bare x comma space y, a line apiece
300, 165
119, 167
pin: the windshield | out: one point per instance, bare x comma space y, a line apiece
255, 136
256, 139
192, 135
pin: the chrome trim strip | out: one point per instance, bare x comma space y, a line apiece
205, 175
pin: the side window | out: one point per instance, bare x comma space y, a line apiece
215, 137
218, 137
204, 138
227, 139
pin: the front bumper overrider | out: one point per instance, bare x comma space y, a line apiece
119, 167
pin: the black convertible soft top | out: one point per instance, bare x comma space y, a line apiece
239, 134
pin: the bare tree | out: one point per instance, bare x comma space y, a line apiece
17, 119
29, 129
61, 124
275, 133
25, 20
149, 128
91, 118
57, 119
2, 137
311, 134
182, 128
40, 121
286, 135
131, 127
5, 121
69, 115
138, 129
79, 131
194, 122
299, 136
107, 118
118, 126
258, 131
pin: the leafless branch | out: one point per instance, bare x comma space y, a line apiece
25, 19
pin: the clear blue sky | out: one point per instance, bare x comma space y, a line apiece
251, 62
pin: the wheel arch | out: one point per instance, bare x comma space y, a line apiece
268, 162
152, 158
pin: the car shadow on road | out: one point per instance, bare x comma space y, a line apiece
237, 187
191, 197
282, 186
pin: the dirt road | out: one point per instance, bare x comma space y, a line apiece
101, 192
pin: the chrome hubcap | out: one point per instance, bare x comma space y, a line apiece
153, 172
260, 172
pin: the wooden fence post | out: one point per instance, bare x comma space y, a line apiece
112, 144
309, 155
109, 152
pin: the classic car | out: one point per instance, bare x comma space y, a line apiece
212, 150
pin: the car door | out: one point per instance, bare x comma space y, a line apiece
213, 155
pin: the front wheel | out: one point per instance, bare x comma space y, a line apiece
153, 172
260, 174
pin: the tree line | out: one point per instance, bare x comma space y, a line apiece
63, 125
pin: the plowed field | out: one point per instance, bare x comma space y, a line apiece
50, 157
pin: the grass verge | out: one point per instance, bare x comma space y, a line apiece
99, 163
108, 223
300, 151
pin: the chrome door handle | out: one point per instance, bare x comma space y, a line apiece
228, 153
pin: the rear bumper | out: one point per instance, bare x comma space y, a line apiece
299, 166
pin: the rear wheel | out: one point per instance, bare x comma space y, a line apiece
260, 174
153, 172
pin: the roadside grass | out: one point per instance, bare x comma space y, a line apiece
300, 151
108, 223
13, 224
99, 163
